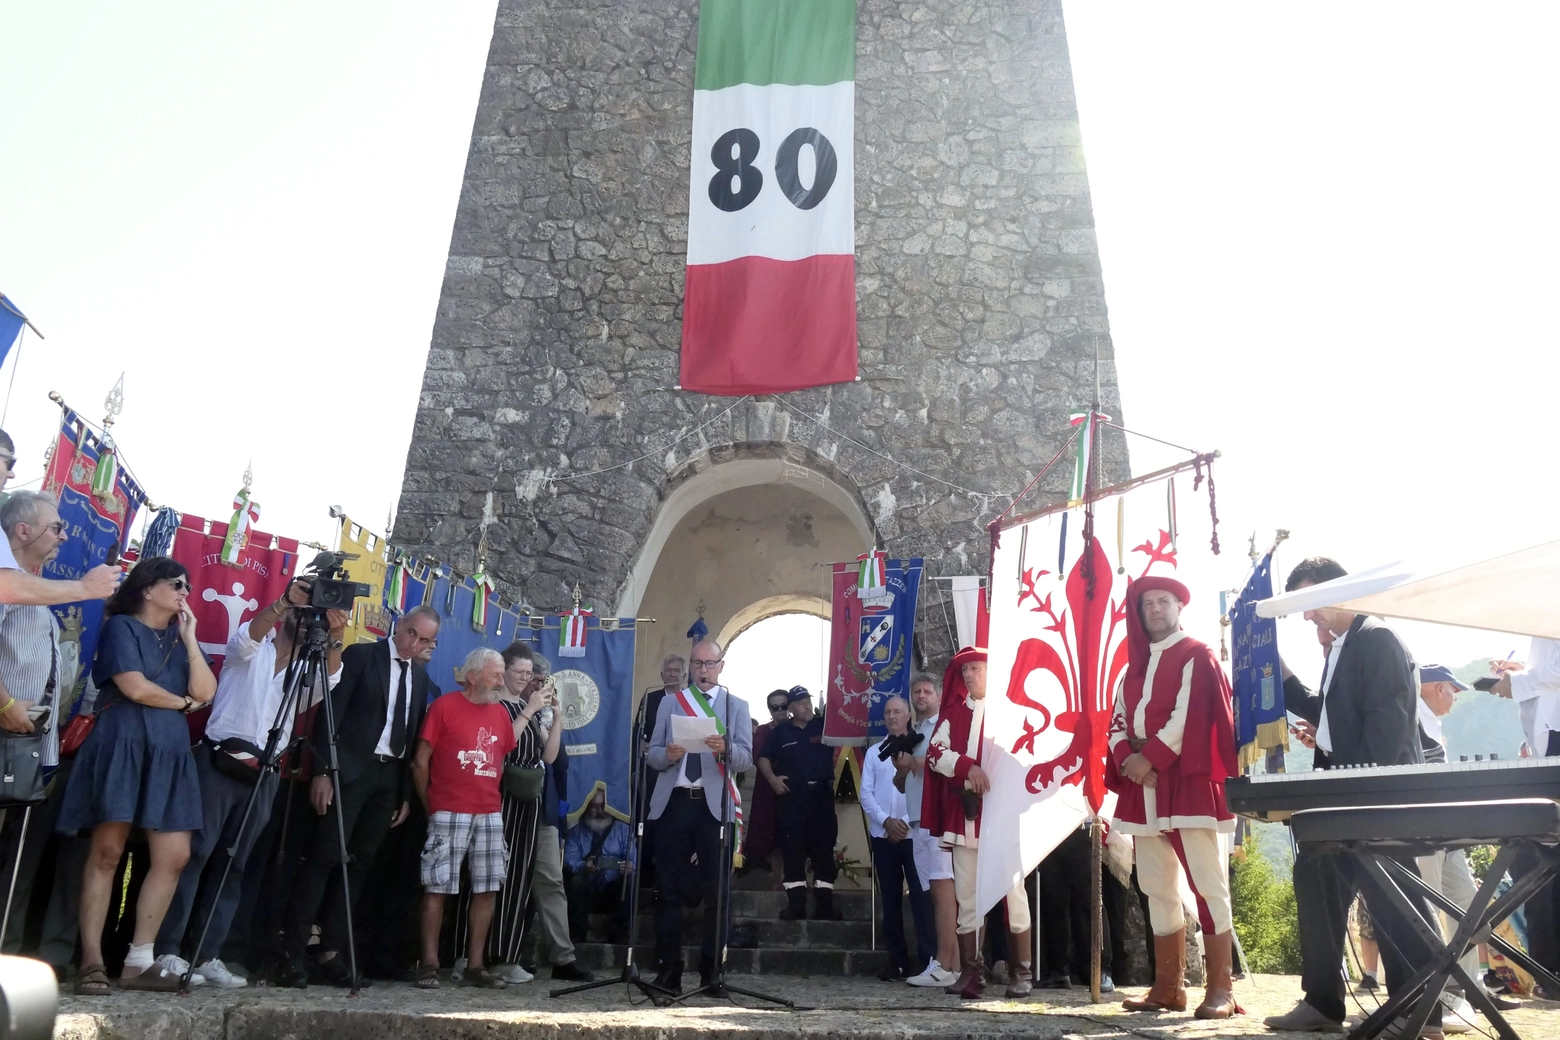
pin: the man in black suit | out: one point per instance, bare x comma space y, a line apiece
1364, 713
378, 707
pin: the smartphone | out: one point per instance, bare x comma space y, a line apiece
38, 714
1486, 683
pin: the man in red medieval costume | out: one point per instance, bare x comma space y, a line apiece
951, 810
1172, 746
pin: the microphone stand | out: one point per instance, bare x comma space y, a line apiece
718, 986
639, 800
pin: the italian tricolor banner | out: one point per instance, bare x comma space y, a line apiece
770, 302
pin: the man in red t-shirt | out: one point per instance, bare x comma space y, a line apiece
456, 769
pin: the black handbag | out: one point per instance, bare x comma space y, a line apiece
21, 768
237, 759
523, 783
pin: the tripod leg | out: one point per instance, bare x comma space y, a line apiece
16, 869
231, 851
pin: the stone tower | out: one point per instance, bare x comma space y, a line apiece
549, 416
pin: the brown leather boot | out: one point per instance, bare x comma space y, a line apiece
1167, 993
975, 984
969, 960
1219, 993
1020, 952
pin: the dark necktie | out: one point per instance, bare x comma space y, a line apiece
398, 724
695, 767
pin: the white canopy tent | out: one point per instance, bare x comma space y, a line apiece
1518, 592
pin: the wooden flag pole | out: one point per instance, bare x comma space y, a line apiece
1096, 910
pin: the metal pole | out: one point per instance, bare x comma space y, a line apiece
1096, 908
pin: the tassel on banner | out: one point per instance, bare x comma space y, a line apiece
572, 628
1170, 510
481, 586
872, 579
395, 591
246, 514
1061, 552
106, 476
1121, 535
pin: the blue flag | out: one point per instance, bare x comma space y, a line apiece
596, 693
97, 529
1256, 676
11, 321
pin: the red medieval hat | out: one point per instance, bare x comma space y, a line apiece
953, 676
1137, 635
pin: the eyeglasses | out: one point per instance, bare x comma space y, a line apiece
706, 664
180, 585
777, 707
9, 460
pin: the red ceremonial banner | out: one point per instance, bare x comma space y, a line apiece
223, 596
848, 703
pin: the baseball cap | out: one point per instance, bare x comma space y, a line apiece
1430, 673
797, 693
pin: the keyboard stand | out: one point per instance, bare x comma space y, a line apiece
1530, 824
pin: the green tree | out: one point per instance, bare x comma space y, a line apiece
1265, 916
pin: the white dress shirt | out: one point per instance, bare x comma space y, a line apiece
249, 690
1323, 731
1536, 690
383, 747
880, 799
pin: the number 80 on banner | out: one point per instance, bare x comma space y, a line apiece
738, 180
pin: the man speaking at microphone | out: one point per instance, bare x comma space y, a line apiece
686, 805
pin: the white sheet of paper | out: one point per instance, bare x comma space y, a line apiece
689, 732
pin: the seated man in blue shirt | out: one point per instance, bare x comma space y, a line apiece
596, 853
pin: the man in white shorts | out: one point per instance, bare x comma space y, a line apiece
933, 863
456, 770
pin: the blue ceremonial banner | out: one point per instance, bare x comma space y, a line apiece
96, 529
1256, 676
454, 599
596, 693
870, 653
11, 321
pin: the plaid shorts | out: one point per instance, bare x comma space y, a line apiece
475, 838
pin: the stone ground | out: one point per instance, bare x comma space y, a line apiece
830, 1008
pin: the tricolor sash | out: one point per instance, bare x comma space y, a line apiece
695, 703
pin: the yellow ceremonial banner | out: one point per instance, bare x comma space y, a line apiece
370, 620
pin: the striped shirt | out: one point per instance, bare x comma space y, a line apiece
29, 650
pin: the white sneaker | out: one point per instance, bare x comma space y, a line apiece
217, 974
172, 965
458, 969
515, 975
1456, 1014
934, 975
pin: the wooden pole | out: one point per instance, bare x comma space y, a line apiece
1096, 908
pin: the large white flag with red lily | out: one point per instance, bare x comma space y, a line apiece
1057, 649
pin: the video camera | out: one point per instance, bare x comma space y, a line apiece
904, 744
330, 587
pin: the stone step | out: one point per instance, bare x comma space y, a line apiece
608, 958
766, 906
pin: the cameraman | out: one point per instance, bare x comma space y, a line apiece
378, 708
249, 695
893, 851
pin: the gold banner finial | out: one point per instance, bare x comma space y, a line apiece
114, 403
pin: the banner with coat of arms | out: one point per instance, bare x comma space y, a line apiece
870, 652
1255, 672
97, 526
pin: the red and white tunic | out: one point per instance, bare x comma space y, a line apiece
954, 748
1177, 711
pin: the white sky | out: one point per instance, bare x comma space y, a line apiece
1327, 233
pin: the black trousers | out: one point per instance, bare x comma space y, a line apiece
368, 803
686, 828
1325, 886
1065, 893
893, 862
808, 830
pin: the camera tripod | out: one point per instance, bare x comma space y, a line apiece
305, 673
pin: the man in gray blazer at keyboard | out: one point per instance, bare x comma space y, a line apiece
686, 803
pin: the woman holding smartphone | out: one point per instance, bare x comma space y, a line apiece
525, 697
135, 769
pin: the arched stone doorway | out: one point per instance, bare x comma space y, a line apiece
748, 539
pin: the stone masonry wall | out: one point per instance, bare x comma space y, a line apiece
555, 348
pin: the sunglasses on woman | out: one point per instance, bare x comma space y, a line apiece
180, 585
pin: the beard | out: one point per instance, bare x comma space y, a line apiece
598, 824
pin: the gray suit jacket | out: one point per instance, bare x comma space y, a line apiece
739, 751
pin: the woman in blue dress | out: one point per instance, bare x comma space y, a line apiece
135, 768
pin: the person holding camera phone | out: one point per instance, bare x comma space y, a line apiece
249, 694
955, 783
135, 768
378, 706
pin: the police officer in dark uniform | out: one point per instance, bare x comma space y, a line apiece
799, 766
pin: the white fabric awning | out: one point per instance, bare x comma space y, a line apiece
1518, 592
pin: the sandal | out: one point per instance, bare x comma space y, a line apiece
484, 979
427, 978
93, 982
155, 979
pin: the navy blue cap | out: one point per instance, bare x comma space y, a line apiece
1430, 673
797, 693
